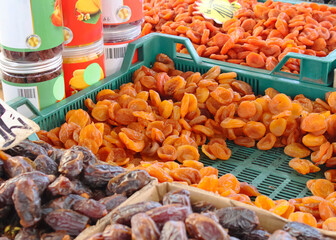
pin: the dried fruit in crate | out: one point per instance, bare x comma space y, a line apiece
67, 220
117, 231
111, 202
181, 197
203, 227
46, 165
259, 235
27, 149
202, 206
302, 231
124, 214
90, 208
143, 227
175, 212
61, 186
98, 175
14, 166
64, 202
129, 182
239, 221
27, 202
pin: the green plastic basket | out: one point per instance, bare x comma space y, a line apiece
267, 170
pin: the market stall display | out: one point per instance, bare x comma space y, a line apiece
49, 192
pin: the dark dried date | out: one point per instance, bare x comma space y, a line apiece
240, 221
124, 214
27, 234
65, 202
202, 227
202, 206
15, 166
211, 215
7, 188
71, 163
59, 235
166, 213
98, 175
80, 188
144, 228
281, 235
61, 186
112, 202
90, 208
174, 230
27, 149
67, 220
128, 182
177, 197
302, 231
258, 235
27, 202
89, 157
117, 232
46, 165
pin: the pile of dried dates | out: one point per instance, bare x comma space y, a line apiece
177, 219
54, 194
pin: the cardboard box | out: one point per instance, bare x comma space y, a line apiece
155, 192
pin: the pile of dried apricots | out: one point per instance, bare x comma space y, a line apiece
259, 35
166, 114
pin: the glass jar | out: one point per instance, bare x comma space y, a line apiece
116, 40
83, 66
31, 30
82, 22
116, 12
41, 82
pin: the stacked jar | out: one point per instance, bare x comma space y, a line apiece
83, 54
122, 20
31, 38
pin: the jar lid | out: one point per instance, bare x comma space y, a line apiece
83, 51
30, 67
121, 33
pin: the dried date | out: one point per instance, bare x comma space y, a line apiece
27, 202
124, 214
144, 228
128, 182
15, 166
65, 202
202, 227
174, 230
27, 234
59, 235
61, 186
112, 202
90, 208
67, 220
258, 235
177, 197
166, 213
27, 149
302, 231
46, 165
89, 158
202, 206
240, 221
281, 235
98, 175
71, 163
80, 188
211, 215
7, 188
117, 231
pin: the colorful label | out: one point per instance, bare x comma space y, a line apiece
218, 10
114, 56
117, 12
30, 25
14, 127
79, 76
41, 95
82, 22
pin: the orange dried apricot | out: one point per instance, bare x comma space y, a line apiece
187, 152
228, 181
301, 217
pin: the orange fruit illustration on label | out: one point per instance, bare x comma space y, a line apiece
83, 78
56, 17
87, 8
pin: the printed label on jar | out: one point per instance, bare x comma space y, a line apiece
41, 95
30, 25
78, 76
114, 56
117, 12
82, 22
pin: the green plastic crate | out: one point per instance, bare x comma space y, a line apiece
267, 170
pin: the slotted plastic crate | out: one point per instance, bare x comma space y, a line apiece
267, 170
